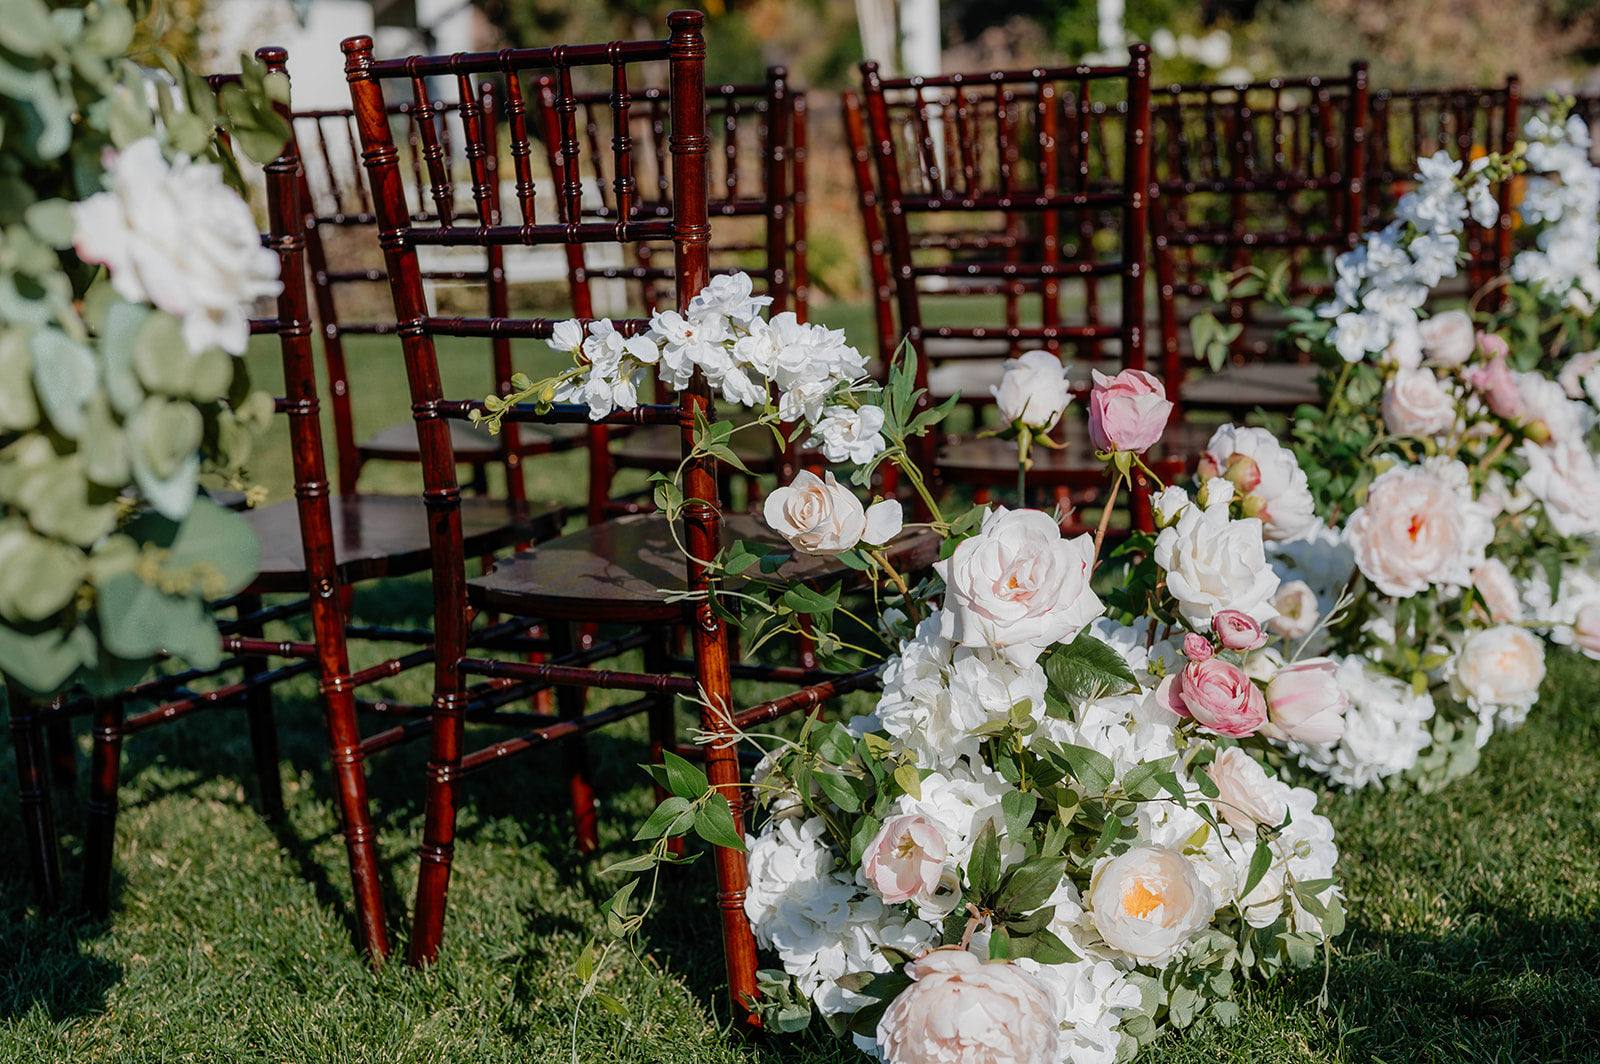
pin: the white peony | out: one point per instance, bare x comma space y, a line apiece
1297, 608
1566, 480
1245, 795
1448, 339
1417, 530
178, 237
1017, 586
1499, 590
1269, 479
1148, 902
1499, 668
1216, 563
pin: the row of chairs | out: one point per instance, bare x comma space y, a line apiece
1033, 183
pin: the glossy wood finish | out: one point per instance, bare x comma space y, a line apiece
1010, 184
1252, 174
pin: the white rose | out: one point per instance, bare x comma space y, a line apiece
1216, 563
885, 519
178, 237
1415, 403
1167, 504
1565, 479
1017, 586
960, 1010
817, 515
1270, 481
1148, 902
1500, 667
847, 435
1499, 590
1415, 531
1034, 390
1245, 795
1297, 610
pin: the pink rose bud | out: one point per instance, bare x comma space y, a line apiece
1498, 386
1306, 702
905, 858
1218, 694
1244, 473
1493, 345
1197, 647
1127, 412
1238, 631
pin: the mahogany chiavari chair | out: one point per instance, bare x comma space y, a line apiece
756, 185
1265, 174
609, 572
1404, 125
312, 549
347, 276
1007, 200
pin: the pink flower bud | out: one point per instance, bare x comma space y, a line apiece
1306, 702
1197, 647
1493, 345
1127, 412
1238, 631
1218, 694
1498, 386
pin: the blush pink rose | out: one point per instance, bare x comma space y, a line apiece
1218, 694
1447, 338
1306, 702
960, 1010
1238, 631
1246, 796
1127, 412
1416, 404
1197, 647
1497, 383
905, 858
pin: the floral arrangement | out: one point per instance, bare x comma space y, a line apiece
128, 265
1059, 812
1453, 473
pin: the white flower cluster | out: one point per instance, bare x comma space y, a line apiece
1385, 729
744, 358
1380, 285
1565, 197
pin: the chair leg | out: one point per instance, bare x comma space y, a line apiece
355, 813
438, 833
263, 728
575, 750
105, 774
38, 817
63, 750
663, 721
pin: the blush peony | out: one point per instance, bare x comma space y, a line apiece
1500, 667
960, 1010
1415, 403
1018, 586
1148, 902
1297, 610
905, 858
178, 237
1448, 339
1034, 390
1416, 530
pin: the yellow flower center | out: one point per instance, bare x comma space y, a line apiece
1138, 900
905, 847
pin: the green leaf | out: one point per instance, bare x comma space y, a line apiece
1260, 861
909, 780
671, 818
1092, 769
1086, 669
714, 822
39, 577
683, 779
838, 790
1000, 945
983, 869
1030, 884
1044, 946
643, 862
65, 375
1018, 807
866, 829
27, 29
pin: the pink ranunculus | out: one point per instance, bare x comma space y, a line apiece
905, 858
960, 1010
1497, 383
1218, 694
1306, 702
1197, 647
1127, 412
1238, 631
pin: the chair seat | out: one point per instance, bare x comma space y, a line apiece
618, 570
398, 443
387, 535
656, 448
991, 461
1277, 386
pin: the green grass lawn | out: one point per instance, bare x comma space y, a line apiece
1474, 920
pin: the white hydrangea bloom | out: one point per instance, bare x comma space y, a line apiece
1385, 729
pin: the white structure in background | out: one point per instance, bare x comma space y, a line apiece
1109, 21
914, 49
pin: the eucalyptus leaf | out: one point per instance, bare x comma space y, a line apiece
65, 374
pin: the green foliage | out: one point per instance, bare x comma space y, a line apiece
106, 418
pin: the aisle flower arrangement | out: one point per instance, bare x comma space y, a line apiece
128, 267
1057, 813
1453, 469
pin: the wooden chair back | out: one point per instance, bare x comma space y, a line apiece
1006, 201
1405, 125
